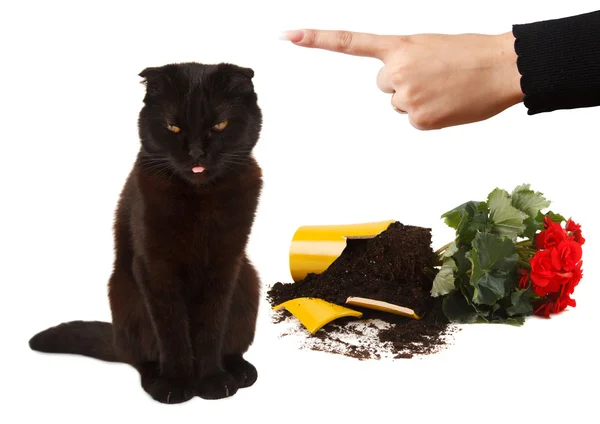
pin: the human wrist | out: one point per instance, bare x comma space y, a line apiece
508, 70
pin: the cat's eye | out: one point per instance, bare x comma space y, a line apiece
173, 128
220, 126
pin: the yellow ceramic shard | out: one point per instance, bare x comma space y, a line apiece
315, 247
382, 306
314, 313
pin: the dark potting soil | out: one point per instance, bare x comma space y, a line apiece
390, 267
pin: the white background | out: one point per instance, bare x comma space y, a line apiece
332, 151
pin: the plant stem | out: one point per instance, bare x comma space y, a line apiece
443, 248
523, 242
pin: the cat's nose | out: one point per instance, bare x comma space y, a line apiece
196, 152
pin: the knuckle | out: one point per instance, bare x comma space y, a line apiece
344, 40
384, 81
410, 94
397, 79
310, 36
422, 120
400, 42
417, 125
402, 93
398, 75
406, 98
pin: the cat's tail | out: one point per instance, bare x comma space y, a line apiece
87, 338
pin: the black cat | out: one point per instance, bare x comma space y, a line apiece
183, 295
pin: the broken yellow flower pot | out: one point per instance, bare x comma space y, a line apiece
315, 247
314, 313
382, 306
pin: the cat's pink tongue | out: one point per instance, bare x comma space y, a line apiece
198, 169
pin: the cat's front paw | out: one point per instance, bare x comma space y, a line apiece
243, 371
164, 389
216, 386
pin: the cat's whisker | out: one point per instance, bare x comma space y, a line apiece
235, 162
231, 168
245, 155
235, 157
151, 161
240, 152
155, 166
160, 169
172, 176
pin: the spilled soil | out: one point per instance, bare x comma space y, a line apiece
396, 267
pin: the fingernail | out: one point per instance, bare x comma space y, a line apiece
293, 36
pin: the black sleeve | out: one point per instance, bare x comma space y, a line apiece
559, 62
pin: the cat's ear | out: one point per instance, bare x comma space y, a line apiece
153, 79
245, 72
239, 79
149, 72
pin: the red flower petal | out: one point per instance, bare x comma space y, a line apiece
567, 255
575, 231
542, 270
524, 280
572, 226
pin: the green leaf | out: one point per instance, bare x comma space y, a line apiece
444, 280
479, 222
453, 217
450, 250
494, 268
532, 226
460, 258
467, 219
461, 278
507, 221
553, 216
520, 302
456, 308
518, 320
528, 201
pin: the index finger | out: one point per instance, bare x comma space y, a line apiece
348, 42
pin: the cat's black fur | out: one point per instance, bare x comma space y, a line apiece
183, 294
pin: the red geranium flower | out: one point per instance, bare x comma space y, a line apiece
574, 232
524, 280
551, 236
556, 267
